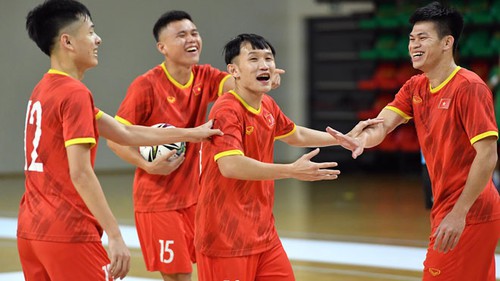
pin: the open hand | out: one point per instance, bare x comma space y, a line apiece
363, 125
347, 142
306, 170
350, 140
204, 132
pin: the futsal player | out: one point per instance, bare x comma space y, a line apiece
177, 92
452, 109
63, 211
235, 235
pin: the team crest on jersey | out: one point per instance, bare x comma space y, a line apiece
417, 99
444, 103
249, 130
269, 118
171, 99
197, 89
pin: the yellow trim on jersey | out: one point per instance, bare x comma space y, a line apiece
123, 121
399, 112
179, 85
245, 104
228, 153
55, 71
287, 134
99, 115
80, 141
435, 90
221, 85
484, 135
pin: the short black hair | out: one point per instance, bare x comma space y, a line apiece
46, 20
448, 21
232, 48
167, 18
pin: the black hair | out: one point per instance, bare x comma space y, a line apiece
167, 18
232, 48
448, 21
45, 21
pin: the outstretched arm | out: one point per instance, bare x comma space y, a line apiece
369, 135
134, 135
245, 168
306, 137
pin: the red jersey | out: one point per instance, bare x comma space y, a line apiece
60, 113
234, 217
449, 119
155, 97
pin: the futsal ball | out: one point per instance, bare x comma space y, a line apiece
151, 152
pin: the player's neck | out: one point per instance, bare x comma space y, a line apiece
441, 72
252, 98
179, 73
66, 66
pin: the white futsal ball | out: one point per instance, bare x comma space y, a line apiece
151, 152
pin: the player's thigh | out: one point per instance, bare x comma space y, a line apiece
72, 261
226, 268
472, 259
274, 265
166, 240
271, 265
33, 268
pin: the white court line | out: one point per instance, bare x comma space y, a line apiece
358, 254
18, 276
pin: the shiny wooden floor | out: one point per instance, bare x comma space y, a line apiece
369, 208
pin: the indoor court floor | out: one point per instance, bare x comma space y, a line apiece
361, 227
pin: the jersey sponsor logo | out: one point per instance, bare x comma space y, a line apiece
417, 99
171, 99
434, 271
444, 103
270, 119
249, 130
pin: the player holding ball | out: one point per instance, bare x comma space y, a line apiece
176, 92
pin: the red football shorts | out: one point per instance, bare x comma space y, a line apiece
167, 240
57, 261
473, 259
272, 265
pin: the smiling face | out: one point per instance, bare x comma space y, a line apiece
253, 69
180, 42
81, 39
426, 49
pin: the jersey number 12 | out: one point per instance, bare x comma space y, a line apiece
33, 117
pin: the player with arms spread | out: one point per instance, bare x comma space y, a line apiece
453, 113
63, 212
177, 92
236, 238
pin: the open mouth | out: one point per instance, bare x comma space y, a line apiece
192, 49
417, 54
264, 77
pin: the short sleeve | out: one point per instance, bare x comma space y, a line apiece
227, 120
78, 118
402, 103
137, 105
476, 103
